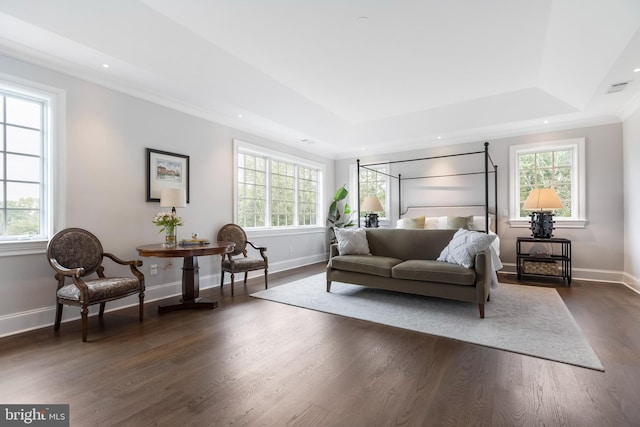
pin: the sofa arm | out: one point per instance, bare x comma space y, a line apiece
333, 250
483, 274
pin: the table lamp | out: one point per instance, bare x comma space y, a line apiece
372, 205
172, 198
542, 201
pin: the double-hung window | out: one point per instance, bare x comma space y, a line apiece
556, 164
275, 190
373, 181
26, 205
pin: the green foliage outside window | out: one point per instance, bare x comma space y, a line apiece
373, 183
547, 169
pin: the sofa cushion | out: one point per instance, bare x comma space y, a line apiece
408, 244
376, 265
434, 271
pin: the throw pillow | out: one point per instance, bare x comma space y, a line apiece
456, 222
352, 242
464, 246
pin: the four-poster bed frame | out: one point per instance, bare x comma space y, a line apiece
487, 170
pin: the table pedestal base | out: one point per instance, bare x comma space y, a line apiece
190, 289
199, 303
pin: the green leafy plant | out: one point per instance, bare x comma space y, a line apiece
339, 211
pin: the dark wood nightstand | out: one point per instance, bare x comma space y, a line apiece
544, 264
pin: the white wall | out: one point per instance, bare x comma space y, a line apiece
104, 183
597, 249
631, 132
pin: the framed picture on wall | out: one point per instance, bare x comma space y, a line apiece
166, 170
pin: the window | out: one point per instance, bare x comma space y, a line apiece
275, 190
556, 164
374, 182
27, 113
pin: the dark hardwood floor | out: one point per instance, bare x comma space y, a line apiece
252, 362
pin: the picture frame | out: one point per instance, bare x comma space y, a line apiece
166, 170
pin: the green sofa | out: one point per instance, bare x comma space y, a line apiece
404, 260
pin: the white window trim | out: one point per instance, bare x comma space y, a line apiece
579, 218
277, 155
54, 164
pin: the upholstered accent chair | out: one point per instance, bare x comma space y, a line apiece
238, 261
74, 254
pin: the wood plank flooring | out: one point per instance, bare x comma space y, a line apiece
252, 362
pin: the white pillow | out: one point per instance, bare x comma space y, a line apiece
478, 223
432, 223
464, 246
411, 223
352, 242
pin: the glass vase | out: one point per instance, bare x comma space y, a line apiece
170, 237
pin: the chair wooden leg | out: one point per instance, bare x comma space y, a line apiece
481, 307
141, 308
56, 326
246, 273
266, 283
233, 275
85, 322
221, 280
102, 305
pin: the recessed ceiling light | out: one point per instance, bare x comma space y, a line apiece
362, 148
362, 20
239, 116
439, 137
546, 121
636, 70
105, 65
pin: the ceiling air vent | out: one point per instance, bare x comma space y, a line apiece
617, 87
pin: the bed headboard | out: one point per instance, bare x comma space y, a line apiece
439, 211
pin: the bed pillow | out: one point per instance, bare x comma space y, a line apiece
456, 222
352, 242
464, 246
432, 223
411, 223
478, 223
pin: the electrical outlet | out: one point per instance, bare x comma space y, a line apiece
153, 269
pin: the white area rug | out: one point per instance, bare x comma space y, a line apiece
521, 319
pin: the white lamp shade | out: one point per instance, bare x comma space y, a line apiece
371, 204
173, 198
542, 199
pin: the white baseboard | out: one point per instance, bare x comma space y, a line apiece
632, 282
582, 274
24, 321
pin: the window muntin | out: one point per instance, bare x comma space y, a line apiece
374, 182
275, 191
308, 191
251, 190
556, 164
22, 153
283, 199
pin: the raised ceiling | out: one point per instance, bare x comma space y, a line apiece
378, 75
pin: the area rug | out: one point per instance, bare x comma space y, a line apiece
522, 319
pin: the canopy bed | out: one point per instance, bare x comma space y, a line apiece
474, 209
